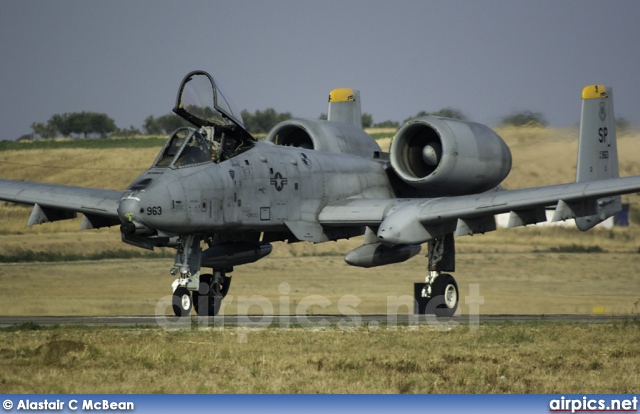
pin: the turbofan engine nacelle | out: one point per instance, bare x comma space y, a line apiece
448, 156
320, 135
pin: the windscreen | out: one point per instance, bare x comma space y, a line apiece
186, 146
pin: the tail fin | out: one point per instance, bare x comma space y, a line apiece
597, 150
344, 106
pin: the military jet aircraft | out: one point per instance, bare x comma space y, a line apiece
214, 186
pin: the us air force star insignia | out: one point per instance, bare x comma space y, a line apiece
278, 181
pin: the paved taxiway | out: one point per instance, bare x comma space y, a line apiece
299, 320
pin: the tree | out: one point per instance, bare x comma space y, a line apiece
164, 124
77, 123
622, 125
99, 124
387, 124
130, 132
444, 113
170, 122
61, 124
46, 131
81, 123
87, 123
367, 120
261, 122
450, 113
151, 126
524, 118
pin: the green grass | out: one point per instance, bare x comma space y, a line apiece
575, 248
146, 142
571, 248
30, 256
496, 358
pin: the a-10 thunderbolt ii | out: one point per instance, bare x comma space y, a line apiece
215, 186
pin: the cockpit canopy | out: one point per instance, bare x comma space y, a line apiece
220, 135
201, 102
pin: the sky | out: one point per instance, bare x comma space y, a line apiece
486, 58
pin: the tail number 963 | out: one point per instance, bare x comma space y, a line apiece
154, 211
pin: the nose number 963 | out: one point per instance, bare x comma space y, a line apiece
154, 211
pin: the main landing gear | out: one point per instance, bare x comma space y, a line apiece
206, 299
204, 292
439, 294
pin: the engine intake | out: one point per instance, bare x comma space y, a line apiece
448, 156
319, 135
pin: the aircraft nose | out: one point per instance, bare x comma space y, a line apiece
130, 211
127, 207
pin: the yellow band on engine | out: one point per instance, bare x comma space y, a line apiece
594, 92
341, 95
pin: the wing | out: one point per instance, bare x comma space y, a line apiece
416, 221
592, 198
54, 202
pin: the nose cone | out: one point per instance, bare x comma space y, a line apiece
130, 214
128, 208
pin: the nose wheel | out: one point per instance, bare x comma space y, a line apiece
181, 301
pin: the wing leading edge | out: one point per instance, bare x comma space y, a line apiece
54, 202
416, 221
591, 199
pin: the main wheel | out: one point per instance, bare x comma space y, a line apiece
208, 297
444, 291
181, 301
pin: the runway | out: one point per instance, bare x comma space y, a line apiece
305, 321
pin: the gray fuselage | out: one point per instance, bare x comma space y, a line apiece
267, 188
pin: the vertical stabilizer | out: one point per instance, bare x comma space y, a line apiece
344, 106
597, 150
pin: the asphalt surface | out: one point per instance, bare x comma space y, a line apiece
312, 321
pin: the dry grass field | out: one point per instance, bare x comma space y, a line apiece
532, 270
527, 270
498, 358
